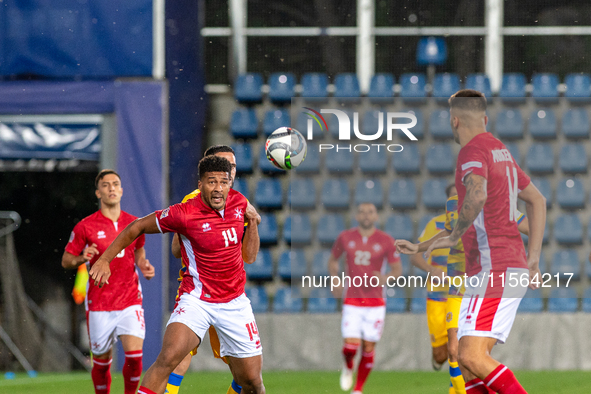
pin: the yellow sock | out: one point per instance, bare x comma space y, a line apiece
451, 389
174, 384
457, 380
234, 388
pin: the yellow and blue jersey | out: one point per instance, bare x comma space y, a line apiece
438, 258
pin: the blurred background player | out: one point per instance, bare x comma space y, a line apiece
364, 309
115, 310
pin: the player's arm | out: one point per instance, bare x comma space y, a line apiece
143, 263
535, 206
175, 246
407, 247
70, 261
251, 241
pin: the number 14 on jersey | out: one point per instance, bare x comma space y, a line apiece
230, 236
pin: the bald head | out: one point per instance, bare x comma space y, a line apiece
467, 109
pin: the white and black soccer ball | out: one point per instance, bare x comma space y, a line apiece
286, 148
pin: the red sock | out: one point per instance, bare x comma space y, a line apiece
101, 376
349, 351
502, 381
132, 371
477, 386
143, 390
365, 366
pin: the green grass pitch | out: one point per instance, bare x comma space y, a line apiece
289, 382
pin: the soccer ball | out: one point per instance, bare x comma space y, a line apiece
286, 148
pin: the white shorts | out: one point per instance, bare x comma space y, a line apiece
488, 309
233, 321
364, 322
105, 327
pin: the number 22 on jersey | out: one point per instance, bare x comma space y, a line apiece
230, 236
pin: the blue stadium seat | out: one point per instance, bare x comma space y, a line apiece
286, 301
509, 124
546, 238
570, 194
403, 194
568, 229
268, 194
418, 302
381, 88
266, 166
373, 162
268, 229
244, 162
412, 87
481, 83
586, 304
513, 148
292, 263
281, 87
444, 85
244, 123
540, 158
545, 87
301, 194
513, 88
566, 261
396, 304
370, 124
297, 229
321, 301
333, 122
311, 164
347, 88
275, 119
563, 300
578, 88
419, 129
405, 261
262, 268
573, 159
531, 302
247, 89
314, 86
340, 163
370, 191
575, 123
400, 226
329, 227
440, 159
335, 194
433, 193
543, 266
258, 299
408, 161
301, 125
543, 185
439, 126
320, 263
241, 186
542, 124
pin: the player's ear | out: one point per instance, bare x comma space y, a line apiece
485, 120
199, 184
97, 193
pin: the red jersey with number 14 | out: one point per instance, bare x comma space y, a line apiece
211, 246
493, 242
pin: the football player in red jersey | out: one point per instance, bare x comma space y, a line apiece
489, 182
213, 248
114, 310
364, 309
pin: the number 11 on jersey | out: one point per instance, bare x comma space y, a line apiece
512, 194
230, 236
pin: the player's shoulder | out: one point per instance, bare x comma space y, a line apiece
452, 203
349, 233
191, 195
384, 236
481, 143
127, 217
237, 197
90, 219
434, 221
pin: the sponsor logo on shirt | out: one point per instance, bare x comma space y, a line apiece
206, 227
101, 235
164, 213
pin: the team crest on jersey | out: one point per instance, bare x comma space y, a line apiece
101, 235
164, 213
377, 247
72, 236
238, 213
206, 227
351, 244
448, 317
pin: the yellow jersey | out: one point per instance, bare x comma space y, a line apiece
438, 258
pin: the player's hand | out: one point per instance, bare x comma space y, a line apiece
535, 275
89, 252
441, 243
406, 247
147, 269
337, 291
251, 215
100, 272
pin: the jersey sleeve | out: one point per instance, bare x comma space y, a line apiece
172, 219
451, 206
77, 241
523, 180
473, 161
392, 255
338, 247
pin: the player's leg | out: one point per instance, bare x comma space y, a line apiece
351, 332
436, 322
451, 319
101, 372
131, 329
101, 333
247, 373
214, 342
176, 377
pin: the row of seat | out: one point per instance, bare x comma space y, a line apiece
413, 87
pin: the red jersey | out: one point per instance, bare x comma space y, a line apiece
365, 255
493, 242
124, 289
211, 246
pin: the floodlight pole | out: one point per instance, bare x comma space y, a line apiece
493, 43
158, 40
365, 43
238, 23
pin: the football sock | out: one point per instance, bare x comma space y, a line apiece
477, 386
174, 383
349, 351
234, 388
143, 390
132, 371
457, 380
365, 366
502, 381
451, 389
101, 376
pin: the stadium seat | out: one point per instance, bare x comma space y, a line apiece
403, 194
369, 191
286, 301
586, 305
381, 88
575, 124
268, 194
546, 238
347, 88
418, 302
433, 193
320, 263
439, 126
531, 302
297, 229
244, 162
540, 159
513, 148
335, 194
268, 229
321, 301
301, 194
292, 264
339, 163
444, 85
329, 227
241, 186
275, 119
545, 88
400, 226
333, 122
509, 124
542, 124
568, 229
301, 125
244, 123
314, 86
396, 304
262, 268
373, 162
311, 164
563, 300
543, 185
570, 194
405, 261
266, 166
419, 129
481, 83
542, 264
408, 161
513, 88
573, 159
370, 124
247, 89
578, 88
258, 299
564, 262
440, 159
281, 87
412, 88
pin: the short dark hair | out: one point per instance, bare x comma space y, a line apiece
212, 150
213, 163
103, 174
448, 189
468, 99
